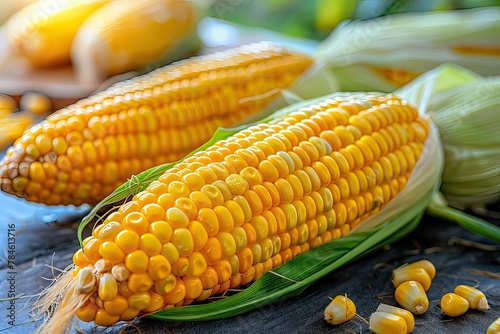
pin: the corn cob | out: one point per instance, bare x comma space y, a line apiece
243, 206
157, 30
82, 153
43, 31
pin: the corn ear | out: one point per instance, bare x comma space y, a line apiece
291, 273
81, 153
43, 31
158, 32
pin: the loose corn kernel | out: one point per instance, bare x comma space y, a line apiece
405, 314
341, 309
424, 264
412, 274
476, 298
494, 328
454, 305
382, 322
412, 297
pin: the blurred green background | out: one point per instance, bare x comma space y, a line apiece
315, 19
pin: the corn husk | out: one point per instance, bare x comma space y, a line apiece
464, 106
387, 52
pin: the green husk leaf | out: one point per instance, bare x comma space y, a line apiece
357, 52
438, 207
464, 106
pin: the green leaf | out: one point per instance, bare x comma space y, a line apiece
439, 208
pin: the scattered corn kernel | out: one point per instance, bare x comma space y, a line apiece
494, 328
405, 314
7, 105
412, 274
454, 305
36, 102
340, 310
424, 264
412, 297
387, 323
476, 299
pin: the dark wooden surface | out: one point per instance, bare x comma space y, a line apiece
39, 245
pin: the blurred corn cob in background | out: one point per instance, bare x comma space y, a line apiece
101, 38
42, 33
385, 53
132, 34
10, 7
83, 152
13, 122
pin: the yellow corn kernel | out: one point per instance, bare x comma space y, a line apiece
103, 318
161, 230
87, 312
80, 259
128, 240
197, 264
454, 305
170, 252
406, 315
382, 322
341, 309
150, 244
476, 298
139, 301
110, 251
494, 328
140, 282
137, 261
85, 281
424, 264
412, 274
108, 288
116, 306
412, 297
183, 240
159, 267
